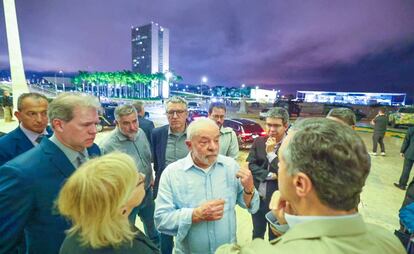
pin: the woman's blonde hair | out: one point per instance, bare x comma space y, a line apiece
92, 198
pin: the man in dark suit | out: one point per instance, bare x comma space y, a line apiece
168, 145
32, 115
407, 152
30, 183
146, 125
263, 162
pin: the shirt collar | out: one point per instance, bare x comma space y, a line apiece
31, 135
72, 155
224, 130
293, 220
177, 134
122, 137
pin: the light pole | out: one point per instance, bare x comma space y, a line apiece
242, 86
63, 80
203, 81
56, 84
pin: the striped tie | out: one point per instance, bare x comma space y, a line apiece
39, 138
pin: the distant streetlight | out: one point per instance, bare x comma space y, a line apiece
203, 81
242, 86
63, 80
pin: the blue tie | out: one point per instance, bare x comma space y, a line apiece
39, 138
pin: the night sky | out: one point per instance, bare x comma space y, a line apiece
332, 45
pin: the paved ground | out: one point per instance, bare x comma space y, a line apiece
380, 199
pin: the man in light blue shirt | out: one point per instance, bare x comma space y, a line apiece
197, 195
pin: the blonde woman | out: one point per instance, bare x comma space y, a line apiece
98, 198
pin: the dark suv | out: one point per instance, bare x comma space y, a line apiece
246, 131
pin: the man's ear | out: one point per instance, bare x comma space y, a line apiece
57, 125
188, 143
303, 184
17, 114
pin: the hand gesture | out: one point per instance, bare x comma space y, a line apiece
209, 211
270, 145
246, 179
279, 207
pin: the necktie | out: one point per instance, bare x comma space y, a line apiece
39, 138
80, 159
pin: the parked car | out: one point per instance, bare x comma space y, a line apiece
193, 105
246, 131
403, 116
292, 107
106, 116
194, 114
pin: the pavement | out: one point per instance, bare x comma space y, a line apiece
380, 200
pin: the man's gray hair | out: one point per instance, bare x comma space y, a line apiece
176, 99
279, 113
333, 156
124, 110
23, 96
139, 105
194, 128
64, 104
346, 115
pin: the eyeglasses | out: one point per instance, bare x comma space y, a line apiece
177, 112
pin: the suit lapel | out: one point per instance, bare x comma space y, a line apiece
57, 157
22, 141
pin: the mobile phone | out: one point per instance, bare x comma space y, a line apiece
270, 217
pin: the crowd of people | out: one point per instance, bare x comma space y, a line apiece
62, 193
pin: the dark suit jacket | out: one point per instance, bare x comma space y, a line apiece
159, 148
259, 165
147, 126
29, 185
15, 143
407, 147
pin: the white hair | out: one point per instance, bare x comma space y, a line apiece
194, 128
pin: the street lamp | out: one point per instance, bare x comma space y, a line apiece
242, 86
203, 81
63, 80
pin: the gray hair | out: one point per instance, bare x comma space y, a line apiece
124, 110
279, 113
333, 156
139, 105
194, 128
64, 104
176, 99
345, 115
36, 96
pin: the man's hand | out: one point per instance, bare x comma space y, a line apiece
270, 145
209, 211
402, 155
246, 179
279, 207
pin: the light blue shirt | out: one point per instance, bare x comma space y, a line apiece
183, 187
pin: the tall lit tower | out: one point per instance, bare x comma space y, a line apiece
150, 54
19, 84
